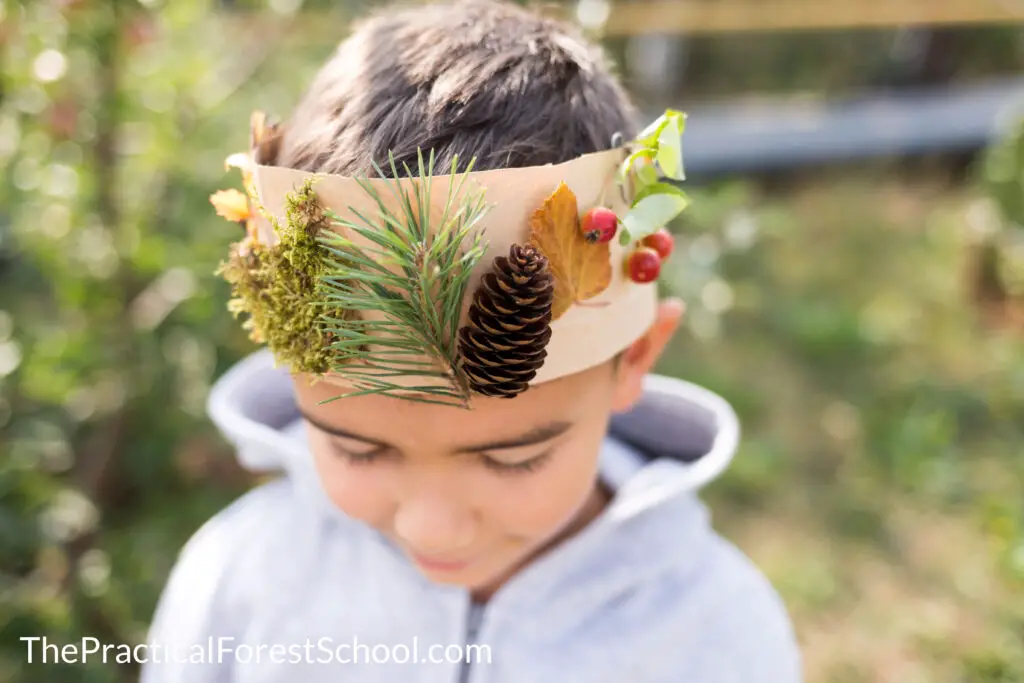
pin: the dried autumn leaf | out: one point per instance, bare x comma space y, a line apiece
263, 138
232, 205
258, 128
582, 270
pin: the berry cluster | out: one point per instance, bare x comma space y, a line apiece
643, 264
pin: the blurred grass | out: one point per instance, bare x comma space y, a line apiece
880, 482
864, 322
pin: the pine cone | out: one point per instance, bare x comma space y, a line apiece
503, 344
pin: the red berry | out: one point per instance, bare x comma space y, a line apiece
661, 242
644, 265
599, 225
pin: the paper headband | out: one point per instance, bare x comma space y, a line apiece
438, 288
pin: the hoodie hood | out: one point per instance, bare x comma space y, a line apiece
676, 439
645, 592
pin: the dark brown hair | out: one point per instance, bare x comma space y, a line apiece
473, 78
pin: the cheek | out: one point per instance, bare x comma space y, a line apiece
538, 505
362, 493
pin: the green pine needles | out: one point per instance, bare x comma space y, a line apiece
411, 277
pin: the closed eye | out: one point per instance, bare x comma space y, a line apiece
356, 456
523, 466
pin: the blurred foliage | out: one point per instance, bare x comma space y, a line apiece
115, 119
880, 481
1001, 236
881, 478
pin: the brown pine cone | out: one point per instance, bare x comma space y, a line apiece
503, 344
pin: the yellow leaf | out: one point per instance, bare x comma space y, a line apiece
582, 270
231, 204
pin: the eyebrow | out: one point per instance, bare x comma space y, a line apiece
337, 431
533, 437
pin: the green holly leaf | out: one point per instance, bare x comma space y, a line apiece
657, 153
628, 164
654, 207
660, 188
670, 154
646, 175
650, 135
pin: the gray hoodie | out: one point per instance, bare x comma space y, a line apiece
281, 587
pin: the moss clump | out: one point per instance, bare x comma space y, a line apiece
278, 287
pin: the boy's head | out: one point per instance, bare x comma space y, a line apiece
470, 495
472, 78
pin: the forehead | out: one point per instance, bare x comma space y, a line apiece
396, 420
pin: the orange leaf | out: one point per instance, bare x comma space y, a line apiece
582, 270
231, 204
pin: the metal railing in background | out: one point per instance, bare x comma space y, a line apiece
739, 137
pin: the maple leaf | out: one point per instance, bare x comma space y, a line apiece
582, 270
232, 205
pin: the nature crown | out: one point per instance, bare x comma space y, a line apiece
437, 288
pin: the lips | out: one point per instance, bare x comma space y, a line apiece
439, 565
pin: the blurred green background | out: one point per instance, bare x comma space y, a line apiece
866, 320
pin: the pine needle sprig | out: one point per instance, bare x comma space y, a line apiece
413, 273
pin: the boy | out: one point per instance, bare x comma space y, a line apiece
519, 507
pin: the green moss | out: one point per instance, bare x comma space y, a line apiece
278, 288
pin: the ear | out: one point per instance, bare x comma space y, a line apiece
638, 360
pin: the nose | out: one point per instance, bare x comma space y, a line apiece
435, 525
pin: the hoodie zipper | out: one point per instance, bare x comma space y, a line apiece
476, 615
